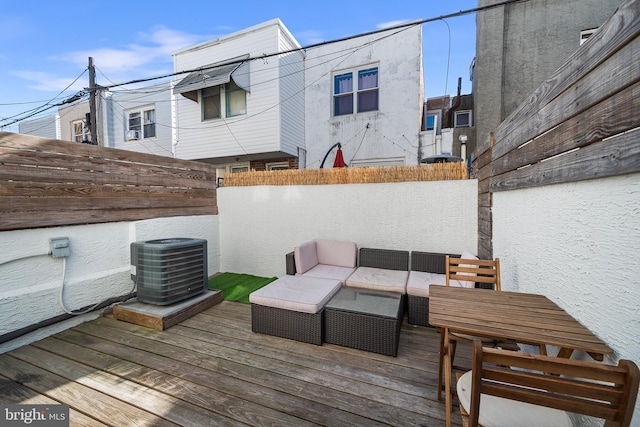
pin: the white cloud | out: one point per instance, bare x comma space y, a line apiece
148, 55
151, 47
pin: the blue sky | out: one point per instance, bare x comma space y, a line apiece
44, 46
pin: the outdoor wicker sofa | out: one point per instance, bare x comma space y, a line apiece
381, 270
327, 259
427, 268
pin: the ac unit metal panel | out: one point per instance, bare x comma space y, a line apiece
167, 271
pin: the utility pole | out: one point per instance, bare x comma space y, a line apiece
93, 116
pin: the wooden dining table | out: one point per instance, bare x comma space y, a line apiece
525, 318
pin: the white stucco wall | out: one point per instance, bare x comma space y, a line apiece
97, 269
578, 244
259, 225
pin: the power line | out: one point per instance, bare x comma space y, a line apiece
400, 27
48, 105
316, 45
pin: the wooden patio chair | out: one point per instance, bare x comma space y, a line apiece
467, 272
506, 388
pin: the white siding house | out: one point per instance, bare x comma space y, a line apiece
45, 127
365, 93
138, 119
246, 103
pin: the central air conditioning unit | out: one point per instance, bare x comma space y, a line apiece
167, 271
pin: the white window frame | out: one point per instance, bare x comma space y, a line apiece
224, 107
223, 169
461, 113
85, 133
277, 166
355, 90
143, 132
377, 163
585, 34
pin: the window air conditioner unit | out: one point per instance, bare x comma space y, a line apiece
133, 134
167, 271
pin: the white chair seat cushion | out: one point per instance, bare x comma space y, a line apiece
324, 271
296, 293
419, 282
379, 279
498, 412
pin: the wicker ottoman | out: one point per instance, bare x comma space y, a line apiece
365, 319
292, 307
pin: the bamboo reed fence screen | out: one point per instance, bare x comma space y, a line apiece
370, 175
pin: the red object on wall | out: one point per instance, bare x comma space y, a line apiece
339, 160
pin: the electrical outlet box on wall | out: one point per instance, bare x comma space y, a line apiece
59, 247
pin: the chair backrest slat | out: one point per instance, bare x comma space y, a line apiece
588, 388
473, 270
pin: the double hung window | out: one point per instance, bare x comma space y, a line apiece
80, 131
462, 119
355, 91
232, 96
141, 123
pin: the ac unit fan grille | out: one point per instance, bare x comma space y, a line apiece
169, 270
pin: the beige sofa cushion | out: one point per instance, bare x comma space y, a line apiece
305, 256
296, 293
336, 252
379, 279
419, 282
329, 272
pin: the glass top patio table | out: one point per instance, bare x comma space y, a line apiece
366, 301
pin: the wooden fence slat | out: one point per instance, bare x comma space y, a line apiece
26, 220
20, 173
581, 130
65, 189
44, 145
623, 27
65, 204
616, 74
618, 155
23, 164
46, 183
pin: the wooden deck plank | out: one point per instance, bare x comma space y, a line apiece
156, 402
12, 393
257, 369
234, 395
212, 368
78, 396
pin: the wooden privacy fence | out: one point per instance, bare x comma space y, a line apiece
46, 183
582, 123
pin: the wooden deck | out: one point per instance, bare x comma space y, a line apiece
211, 370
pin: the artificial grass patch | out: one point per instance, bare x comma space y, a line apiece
237, 287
